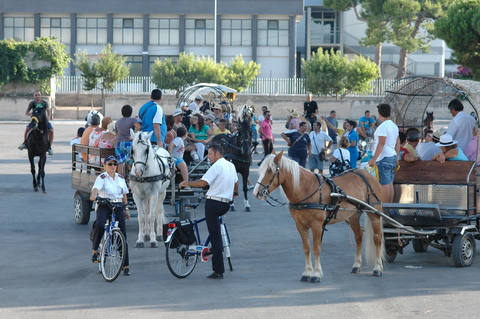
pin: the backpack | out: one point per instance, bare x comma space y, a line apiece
185, 233
339, 166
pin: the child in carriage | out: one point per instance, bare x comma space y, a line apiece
176, 148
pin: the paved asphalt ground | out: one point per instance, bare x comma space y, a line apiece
45, 271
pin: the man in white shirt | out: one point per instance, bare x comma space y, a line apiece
221, 177
320, 143
195, 105
462, 125
428, 149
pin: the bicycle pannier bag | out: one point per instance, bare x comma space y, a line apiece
186, 234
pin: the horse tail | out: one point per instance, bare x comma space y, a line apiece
369, 240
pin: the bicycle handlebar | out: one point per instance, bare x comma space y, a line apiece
108, 202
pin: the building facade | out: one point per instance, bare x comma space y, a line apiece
143, 30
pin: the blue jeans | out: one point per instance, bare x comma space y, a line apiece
385, 169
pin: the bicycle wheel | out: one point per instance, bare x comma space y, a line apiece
180, 261
112, 255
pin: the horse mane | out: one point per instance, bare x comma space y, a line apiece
285, 163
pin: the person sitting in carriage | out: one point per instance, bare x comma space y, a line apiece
408, 151
42, 108
450, 150
176, 148
222, 127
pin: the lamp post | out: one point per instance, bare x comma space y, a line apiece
215, 32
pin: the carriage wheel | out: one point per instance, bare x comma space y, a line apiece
112, 255
420, 245
179, 261
81, 209
390, 254
463, 250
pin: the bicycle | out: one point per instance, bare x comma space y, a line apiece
112, 246
182, 259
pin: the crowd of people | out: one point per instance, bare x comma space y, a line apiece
192, 126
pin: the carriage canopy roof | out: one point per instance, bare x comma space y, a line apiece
412, 97
209, 91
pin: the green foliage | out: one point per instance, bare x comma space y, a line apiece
103, 70
189, 70
460, 29
33, 62
330, 74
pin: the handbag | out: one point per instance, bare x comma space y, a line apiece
321, 154
338, 167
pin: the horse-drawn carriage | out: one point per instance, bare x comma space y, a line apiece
436, 204
84, 175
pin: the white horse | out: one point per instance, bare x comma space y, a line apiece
149, 178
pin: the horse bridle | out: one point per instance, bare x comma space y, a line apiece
155, 177
265, 193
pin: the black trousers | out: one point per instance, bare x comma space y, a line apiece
213, 210
267, 146
103, 211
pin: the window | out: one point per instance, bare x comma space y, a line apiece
19, 29
127, 31
57, 27
273, 33
324, 28
164, 31
199, 32
135, 63
91, 31
236, 32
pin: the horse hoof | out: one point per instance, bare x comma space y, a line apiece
305, 278
247, 209
36, 189
232, 208
355, 270
159, 238
377, 273
44, 191
139, 245
314, 280
153, 245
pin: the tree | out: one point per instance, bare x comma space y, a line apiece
330, 74
405, 23
33, 62
190, 70
103, 70
460, 29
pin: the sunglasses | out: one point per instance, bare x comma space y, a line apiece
111, 164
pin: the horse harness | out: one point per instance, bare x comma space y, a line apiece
331, 209
155, 178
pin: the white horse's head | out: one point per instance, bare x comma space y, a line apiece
141, 147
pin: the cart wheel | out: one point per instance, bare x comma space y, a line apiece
81, 209
463, 250
390, 254
184, 212
420, 245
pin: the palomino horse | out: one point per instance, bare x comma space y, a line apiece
37, 145
238, 149
312, 207
149, 178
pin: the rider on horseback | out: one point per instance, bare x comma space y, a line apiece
42, 106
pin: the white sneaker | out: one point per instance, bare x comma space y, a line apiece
250, 187
22, 147
50, 151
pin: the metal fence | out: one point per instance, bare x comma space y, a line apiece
261, 86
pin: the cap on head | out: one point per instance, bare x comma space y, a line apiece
110, 158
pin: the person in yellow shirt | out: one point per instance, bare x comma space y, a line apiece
222, 128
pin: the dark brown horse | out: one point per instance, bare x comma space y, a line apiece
312, 207
37, 145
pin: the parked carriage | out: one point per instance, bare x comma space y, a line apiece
84, 175
436, 204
